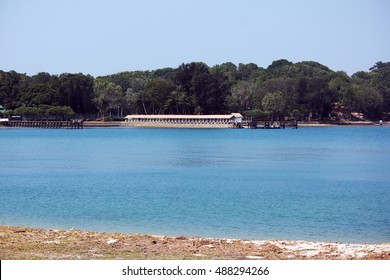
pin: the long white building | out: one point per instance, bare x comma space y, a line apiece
232, 120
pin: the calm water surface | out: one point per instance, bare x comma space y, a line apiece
323, 184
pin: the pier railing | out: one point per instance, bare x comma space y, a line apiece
70, 124
266, 124
79, 124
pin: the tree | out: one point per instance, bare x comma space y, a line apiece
279, 68
129, 102
60, 111
164, 73
309, 69
320, 97
135, 80
39, 94
368, 101
28, 112
340, 84
177, 102
76, 91
310, 90
274, 103
368, 92
186, 72
288, 86
240, 98
108, 96
11, 85
380, 80
206, 91
158, 91
228, 69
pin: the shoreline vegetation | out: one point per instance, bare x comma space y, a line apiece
304, 90
52, 244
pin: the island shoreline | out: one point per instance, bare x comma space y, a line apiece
52, 244
300, 124
121, 124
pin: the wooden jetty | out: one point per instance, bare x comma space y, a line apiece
266, 124
70, 124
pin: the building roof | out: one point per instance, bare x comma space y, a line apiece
237, 115
233, 115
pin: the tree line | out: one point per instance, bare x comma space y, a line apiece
304, 90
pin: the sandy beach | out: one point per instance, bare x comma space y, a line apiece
30, 243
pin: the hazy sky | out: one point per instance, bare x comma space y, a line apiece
100, 37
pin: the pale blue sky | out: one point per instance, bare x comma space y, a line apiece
108, 36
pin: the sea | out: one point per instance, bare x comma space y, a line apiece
310, 183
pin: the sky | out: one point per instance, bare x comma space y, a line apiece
101, 37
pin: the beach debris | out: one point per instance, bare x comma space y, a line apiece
181, 238
111, 241
52, 242
199, 255
158, 236
254, 257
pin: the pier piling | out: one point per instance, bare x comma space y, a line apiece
74, 124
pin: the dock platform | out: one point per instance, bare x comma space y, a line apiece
70, 124
255, 124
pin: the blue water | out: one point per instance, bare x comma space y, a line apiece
322, 184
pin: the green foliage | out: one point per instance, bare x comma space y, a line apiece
256, 114
11, 84
274, 103
380, 80
279, 68
157, 92
60, 111
368, 101
76, 91
29, 112
228, 70
42, 112
108, 96
304, 90
206, 92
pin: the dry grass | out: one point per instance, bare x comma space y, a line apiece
28, 243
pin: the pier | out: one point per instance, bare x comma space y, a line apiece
252, 123
70, 124
232, 120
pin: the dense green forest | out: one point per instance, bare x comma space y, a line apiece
303, 90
